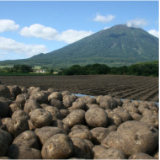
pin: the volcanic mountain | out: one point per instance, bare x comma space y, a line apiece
116, 46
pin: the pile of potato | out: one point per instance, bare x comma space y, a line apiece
38, 124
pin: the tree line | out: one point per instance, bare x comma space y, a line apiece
140, 69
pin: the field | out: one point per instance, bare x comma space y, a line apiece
125, 87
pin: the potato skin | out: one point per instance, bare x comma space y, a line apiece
138, 136
96, 117
46, 132
98, 150
112, 153
5, 140
23, 152
81, 149
59, 146
41, 118
140, 155
77, 116
27, 138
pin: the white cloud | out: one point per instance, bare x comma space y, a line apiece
136, 23
28, 50
154, 32
106, 28
39, 31
104, 19
48, 33
8, 25
70, 36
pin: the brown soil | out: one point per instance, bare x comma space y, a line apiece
125, 87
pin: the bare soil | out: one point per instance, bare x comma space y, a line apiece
120, 86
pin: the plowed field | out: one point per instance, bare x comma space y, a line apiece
120, 86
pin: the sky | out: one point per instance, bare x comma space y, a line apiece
28, 28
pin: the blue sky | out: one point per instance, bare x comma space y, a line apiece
28, 28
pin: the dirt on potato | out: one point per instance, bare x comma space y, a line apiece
119, 86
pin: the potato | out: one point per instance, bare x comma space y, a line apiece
14, 91
81, 149
90, 100
5, 140
98, 98
99, 133
59, 146
98, 150
4, 91
79, 105
4, 108
40, 97
40, 118
112, 153
65, 93
137, 136
27, 138
55, 95
112, 127
32, 90
56, 103
156, 154
30, 105
56, 114
140, 155
4, 157
142, 106
21, 98
130, 107
151, 120
64, 113
124, 114
23, 152
68, 100
16, 126
110, 103
119, 102
58, 123
92, 105
46, 132
77, 116
114, 119
23, 89
135, 116
31, 126
79, 126
21, 115
14, 106
90, 144
96, 117
81, 133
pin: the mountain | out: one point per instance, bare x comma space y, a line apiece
116, 46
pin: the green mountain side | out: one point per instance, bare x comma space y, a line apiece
117, 46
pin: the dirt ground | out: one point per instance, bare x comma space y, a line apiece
120, 86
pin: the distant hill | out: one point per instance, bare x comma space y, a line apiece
116, 46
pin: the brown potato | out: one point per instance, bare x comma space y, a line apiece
14, 106
21, 115
58, 123
59, 146
140, 155
55, 95
114, 119
152, 120
130, 107
23, 152
96, 117
98, 150
40, 118
16, 126
68, 100
30, 105
5, 141
81, 133
64, 113
109, 103
135, 116
90, 144
21, 98
27, 138
31, 126
46, 132
4, 108
4, 91
99, 133
137, 136
79, 105
56, 103
65, 93
40, 97
124, 114
14, 91
32, 90
79, 126
56, 114
81, 149
112, 153
77, 116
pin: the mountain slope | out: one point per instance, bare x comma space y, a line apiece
118, 45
